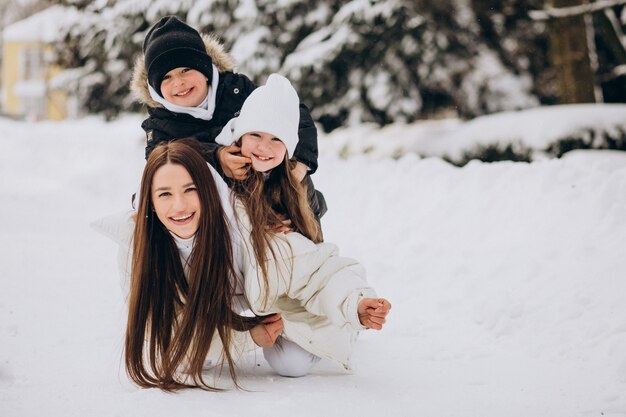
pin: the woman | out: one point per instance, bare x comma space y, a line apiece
182, 293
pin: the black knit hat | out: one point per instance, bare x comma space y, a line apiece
171, 44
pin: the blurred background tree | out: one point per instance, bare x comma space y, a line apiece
573, 55
588, 49
355, 61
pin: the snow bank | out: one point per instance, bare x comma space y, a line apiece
535, 129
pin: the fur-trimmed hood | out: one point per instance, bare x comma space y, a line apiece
139, 83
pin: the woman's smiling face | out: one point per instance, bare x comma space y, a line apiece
176, 201
265, 150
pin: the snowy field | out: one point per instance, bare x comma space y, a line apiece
507, 279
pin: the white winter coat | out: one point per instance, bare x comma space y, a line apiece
316, 291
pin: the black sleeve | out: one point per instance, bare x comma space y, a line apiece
158, 129
316, 199
306, 150
248, 85
153, 134
209, 152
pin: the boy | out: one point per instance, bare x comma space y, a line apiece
188, 84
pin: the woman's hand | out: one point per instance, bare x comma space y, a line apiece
373, 311
266, 333
234, 166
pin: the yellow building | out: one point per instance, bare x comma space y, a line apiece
29, 89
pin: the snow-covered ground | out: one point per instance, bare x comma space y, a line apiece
507, 280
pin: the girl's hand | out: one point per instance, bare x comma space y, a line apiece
266, 333
234, 166
373, 311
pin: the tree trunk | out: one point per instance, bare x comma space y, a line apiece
570, 53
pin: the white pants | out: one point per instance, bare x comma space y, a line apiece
289, 359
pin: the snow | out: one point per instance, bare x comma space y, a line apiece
535, 129
246, 47
44, 26
317, 48
506, 279
30, 88
246, 10
508, 91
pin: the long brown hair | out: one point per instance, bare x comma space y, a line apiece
172, 320
271, 198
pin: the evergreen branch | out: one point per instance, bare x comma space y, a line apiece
556, 13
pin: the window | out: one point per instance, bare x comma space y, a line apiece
33, 65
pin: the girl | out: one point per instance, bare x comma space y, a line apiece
304, 281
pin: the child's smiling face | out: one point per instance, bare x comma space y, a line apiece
264, 149
184, 87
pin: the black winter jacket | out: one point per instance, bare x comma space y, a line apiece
232, 91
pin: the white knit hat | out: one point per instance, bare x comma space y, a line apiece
272, 108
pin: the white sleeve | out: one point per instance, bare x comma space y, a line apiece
119, 227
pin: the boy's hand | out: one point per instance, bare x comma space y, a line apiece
266, 333
372, 312
300, 171
234, 166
